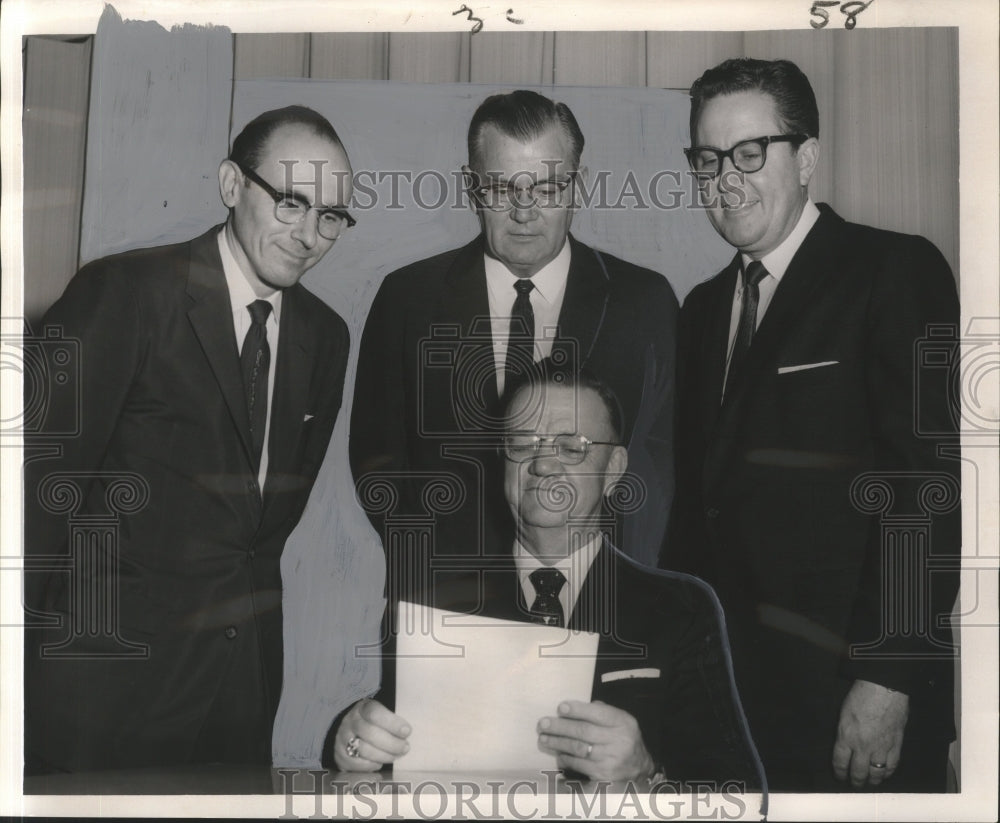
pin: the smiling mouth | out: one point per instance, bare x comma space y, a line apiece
739, 206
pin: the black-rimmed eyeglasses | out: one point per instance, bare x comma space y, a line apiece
546, 194
290, 209
568, 449
748, 156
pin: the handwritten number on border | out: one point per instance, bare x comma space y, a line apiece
850, 10
479, 23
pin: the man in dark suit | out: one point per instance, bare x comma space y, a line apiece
210, 384
444, 333
801, 416
663, 705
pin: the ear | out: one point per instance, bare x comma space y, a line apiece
470, 180
617, 463
582, 178
230, 183
807, 157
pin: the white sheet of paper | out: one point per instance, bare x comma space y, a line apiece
474, 688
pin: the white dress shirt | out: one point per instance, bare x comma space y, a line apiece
776, 262
574, 568
546, 303
241, 295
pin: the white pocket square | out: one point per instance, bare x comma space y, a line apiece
804, 366
629, 674
307, 418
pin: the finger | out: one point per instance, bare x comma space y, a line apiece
859, 768
572, 746
346, 763
382, 740
890, 760
579, 764
596, 712
578, 729
841, 760
378, 715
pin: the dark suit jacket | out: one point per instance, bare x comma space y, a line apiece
766, 510
689, 713
425, 402
197, 572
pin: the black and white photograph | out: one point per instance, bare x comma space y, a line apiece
553, 411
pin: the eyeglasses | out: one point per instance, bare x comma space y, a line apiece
568, 449
290, 209
748, 155
546, 194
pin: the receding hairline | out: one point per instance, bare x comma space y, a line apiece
576, 389
555, 126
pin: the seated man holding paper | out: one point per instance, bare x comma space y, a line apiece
663, 704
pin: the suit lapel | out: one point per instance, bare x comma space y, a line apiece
715, 343
289, 398
465, 301
212, 319
808, 273
584, 302
591, 610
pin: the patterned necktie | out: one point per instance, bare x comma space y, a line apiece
754, 273
255, 359
547, 609
521, 340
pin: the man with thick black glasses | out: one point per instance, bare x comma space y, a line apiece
799, 396
446, 334
211, 381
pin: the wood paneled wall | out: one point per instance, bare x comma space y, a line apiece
56, 97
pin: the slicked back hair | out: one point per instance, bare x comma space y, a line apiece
251, 143
793, 96
524, 115
546, 373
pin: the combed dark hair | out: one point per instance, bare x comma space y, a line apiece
781, 79
546, 373
251, 143
523, 115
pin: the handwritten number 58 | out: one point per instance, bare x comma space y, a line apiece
850, 11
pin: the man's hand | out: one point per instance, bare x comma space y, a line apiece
872, 721
378, 736
597, 740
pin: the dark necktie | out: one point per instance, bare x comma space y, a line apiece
521, 340
547, 609
255, 359
754, 273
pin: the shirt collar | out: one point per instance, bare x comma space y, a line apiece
241, 293
574, 566
550, 280
777, 261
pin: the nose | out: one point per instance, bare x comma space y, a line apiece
545, 465
306, 231
523, 212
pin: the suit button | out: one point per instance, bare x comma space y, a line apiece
231, 632
712, 513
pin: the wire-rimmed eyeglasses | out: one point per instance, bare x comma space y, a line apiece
546, 194
291, 209
568, 449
